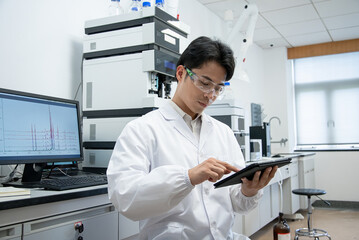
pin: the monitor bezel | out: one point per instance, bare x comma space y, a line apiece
34, 160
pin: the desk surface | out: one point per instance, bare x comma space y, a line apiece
40, 196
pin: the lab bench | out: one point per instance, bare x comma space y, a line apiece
63, 214
83, 213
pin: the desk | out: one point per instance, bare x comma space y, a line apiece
52, 214
39, 196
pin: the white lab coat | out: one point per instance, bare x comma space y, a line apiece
148, 177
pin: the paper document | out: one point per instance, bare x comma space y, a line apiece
12, 191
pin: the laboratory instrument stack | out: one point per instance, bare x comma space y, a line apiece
128, 70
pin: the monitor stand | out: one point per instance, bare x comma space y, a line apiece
31, 177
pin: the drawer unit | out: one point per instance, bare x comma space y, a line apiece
12, 232
96, 223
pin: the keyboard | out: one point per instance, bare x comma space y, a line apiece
72, 182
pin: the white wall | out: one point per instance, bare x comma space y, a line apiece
337, 173
252, 91
276, 97
41, 44
201, 20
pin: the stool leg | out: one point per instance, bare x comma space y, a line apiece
309, 215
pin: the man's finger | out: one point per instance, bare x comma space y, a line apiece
256, 176
229, 166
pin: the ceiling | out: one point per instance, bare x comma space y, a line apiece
293, 23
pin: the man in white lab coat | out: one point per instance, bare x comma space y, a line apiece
164, 163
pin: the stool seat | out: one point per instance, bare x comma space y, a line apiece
308, 191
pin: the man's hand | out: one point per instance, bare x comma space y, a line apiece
211, 169
259, 181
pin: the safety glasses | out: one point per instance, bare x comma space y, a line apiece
205, 85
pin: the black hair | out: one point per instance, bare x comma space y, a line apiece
203, 50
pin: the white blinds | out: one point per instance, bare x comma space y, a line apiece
327, 101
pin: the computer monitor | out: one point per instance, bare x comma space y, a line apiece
36, 130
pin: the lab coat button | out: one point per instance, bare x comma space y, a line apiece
213, 224
206, 191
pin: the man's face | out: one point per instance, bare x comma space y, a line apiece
189, 97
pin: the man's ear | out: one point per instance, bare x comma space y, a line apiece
180, 73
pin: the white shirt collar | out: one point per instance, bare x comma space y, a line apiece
182, 113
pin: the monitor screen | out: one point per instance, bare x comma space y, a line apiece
38, 129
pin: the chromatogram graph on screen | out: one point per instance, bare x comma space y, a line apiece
43, 129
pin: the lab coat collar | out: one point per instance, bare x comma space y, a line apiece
170, 114
180, 125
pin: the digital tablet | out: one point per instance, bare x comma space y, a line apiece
249, 172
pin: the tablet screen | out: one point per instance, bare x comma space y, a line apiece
249, 172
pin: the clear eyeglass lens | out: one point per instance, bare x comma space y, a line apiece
209, 86
205, 85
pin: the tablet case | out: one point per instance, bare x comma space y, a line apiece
249, 172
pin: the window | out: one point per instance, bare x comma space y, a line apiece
327, 101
